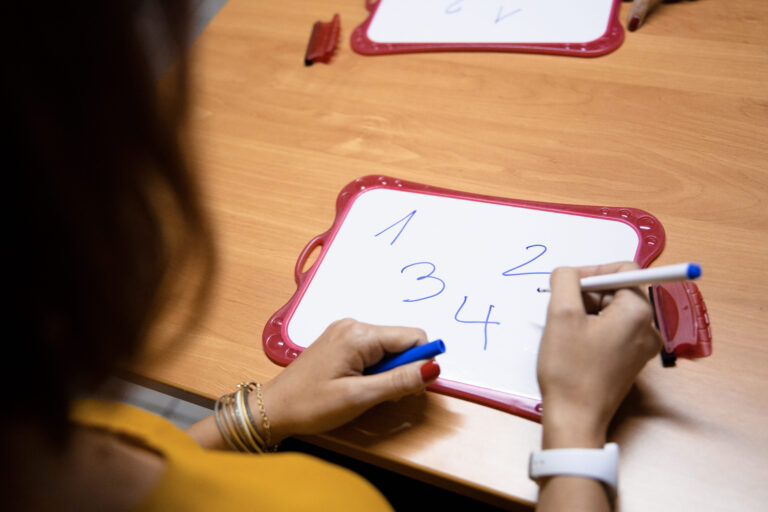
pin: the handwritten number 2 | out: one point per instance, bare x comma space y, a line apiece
429, 275
511, 272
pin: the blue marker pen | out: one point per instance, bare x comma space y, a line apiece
420, 352
654, 275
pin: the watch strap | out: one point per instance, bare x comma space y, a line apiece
599, 463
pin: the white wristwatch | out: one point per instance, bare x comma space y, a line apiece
600, 464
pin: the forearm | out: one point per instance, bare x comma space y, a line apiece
207, 434
590, 354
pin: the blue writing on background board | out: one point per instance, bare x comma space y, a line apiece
489, 21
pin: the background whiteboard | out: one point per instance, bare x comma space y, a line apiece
387, 239
490, 21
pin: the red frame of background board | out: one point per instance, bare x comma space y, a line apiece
281, 350
608, 42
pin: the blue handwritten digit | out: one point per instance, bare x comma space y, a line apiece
405, 221
425, 276
511, 272
485, 322
502, 15
454, 7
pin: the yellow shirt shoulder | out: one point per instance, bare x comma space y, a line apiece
199, 479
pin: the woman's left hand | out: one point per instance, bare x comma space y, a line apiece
325, 388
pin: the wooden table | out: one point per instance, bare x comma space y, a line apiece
674, 122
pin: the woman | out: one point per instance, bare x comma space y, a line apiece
108, 233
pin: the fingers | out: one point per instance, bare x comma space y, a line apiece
607, 268
631, 302
371, 342
396, 383
639, 11
630, 306
597, 301
397, 339
566, 292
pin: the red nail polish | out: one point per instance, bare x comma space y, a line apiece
634, 23
430, 371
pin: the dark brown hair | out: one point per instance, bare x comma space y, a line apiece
104, 212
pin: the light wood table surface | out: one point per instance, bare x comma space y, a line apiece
674, 122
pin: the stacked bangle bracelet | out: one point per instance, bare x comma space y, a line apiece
236, 423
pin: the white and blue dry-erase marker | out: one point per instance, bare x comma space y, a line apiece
417, 353
665, 274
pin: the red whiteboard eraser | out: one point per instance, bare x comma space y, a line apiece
322, 41
683, 321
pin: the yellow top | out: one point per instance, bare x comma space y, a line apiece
199, 479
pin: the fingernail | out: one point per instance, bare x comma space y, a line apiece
634, 23
430, 371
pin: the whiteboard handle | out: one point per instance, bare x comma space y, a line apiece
318, 241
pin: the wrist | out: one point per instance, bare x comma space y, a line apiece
574, 430
267, 420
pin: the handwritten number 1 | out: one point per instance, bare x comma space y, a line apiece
484, 322
511, 272
405, 220
425, 276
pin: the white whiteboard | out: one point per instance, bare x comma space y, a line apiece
390, 238
490, 21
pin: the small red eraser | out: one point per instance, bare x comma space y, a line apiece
682, 318
323, 41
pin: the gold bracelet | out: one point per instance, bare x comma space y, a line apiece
264, 419
247, 388
223, 431
236, 424
256, 444
230, 422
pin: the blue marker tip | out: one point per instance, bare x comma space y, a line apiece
418, 353
694, 271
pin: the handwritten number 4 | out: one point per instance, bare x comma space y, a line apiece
485, 322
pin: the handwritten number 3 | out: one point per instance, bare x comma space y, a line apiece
425, 276
511, 272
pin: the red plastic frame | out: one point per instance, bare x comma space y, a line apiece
608, 42
282, 351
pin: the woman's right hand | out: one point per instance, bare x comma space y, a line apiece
592, 349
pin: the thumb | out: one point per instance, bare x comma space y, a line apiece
398, 382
